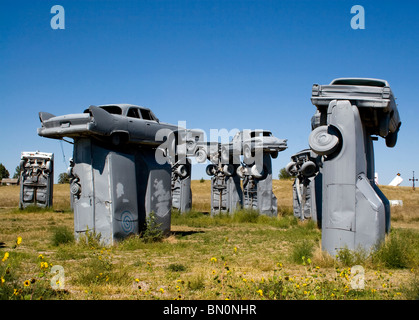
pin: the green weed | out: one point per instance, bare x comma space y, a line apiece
61, 235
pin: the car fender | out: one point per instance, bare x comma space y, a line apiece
107, 123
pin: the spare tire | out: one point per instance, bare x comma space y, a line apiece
291, 168
182, 171
211, 169
201, 155
322, 142
308, 169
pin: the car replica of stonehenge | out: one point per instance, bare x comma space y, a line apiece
127, 165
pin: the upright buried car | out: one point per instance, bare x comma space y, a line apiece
119, 123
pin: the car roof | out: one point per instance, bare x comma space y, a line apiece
260, 130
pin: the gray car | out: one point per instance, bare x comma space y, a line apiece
247, 142
119, 123
374, 99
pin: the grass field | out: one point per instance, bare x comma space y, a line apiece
237, 256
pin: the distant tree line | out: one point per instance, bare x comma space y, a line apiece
284, 175
63, 178
4, 173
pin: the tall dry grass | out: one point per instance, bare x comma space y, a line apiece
201, 194
407, 213
9, 197
201, 198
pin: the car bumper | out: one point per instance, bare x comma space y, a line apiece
70, 130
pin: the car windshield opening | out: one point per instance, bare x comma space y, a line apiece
112, 109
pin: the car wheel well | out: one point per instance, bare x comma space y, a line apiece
119, 137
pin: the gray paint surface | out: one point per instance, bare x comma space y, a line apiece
117, 180
114, 191
355, 213
36, 179
181, 187
306, 186
226, 193
257, 189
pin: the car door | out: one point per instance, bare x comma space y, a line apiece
152, 126
137, 127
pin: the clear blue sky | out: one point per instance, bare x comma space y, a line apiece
213, 64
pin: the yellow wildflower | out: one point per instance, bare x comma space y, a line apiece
2, 281
260, 292
41, 256
27, 283
161, 290
213, 259
18, 240
137, 280
6, 256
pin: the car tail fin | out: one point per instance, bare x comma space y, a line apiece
44, 116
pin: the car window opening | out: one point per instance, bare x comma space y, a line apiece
254, 134
133, 113
112, 109
146, 114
